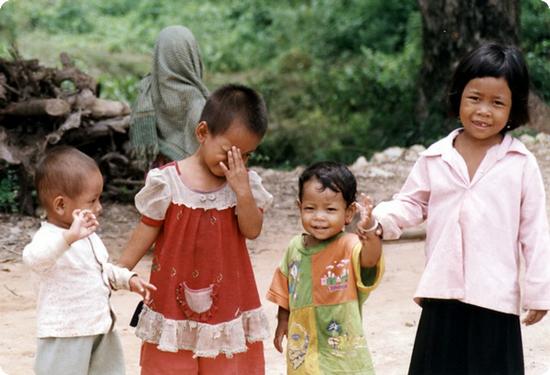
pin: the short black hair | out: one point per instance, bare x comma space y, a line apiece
494, 60
231, 102
332, 175
62, 170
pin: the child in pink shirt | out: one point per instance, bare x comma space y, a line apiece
482, 194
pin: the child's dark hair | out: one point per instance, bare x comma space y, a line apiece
494, 60
334, 176
231, 102
62, 170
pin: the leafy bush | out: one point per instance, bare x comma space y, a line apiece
9, 189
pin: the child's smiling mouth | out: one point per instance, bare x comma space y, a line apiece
481, 124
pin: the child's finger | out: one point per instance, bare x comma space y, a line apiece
224, 168
277, 342
367, 203
238, 158
534, 316
231, 158
149, 286
76, 214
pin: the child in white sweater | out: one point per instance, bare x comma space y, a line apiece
74, 316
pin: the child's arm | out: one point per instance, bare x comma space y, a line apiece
282, 328
535, 244
249, 216
42, 253
142, 238
407, 208
369, 233
122, 278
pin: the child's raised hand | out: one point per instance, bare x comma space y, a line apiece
534, 316
235, 172
142, 287
84, 223
367, 225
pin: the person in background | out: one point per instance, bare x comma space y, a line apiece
170, 101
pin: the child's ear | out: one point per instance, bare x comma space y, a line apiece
298, 203
350, 213
58, 205
201, 131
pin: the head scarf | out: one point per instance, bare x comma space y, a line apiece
170, 99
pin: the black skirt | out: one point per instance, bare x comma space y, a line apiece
462, 339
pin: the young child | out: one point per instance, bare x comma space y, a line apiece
74, 316
170, 100
482, 194
326, 275
206, 316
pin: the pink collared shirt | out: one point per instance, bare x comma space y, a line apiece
477, 230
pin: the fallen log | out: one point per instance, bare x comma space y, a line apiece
38, 107
109, 108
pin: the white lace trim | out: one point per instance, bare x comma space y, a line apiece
165, 185
205, 340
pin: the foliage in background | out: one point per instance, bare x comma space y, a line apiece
9, 186
339, 76
535, 38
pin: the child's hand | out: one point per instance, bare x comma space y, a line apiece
282, 328
142, 287
280, 332
534, 316
367, 225
84, 223
235, 172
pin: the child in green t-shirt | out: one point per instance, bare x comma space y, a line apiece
326, 275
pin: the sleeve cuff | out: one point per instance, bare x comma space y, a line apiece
151, 222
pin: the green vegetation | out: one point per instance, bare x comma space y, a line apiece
339, 76
9, 189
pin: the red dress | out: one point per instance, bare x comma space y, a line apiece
207, 301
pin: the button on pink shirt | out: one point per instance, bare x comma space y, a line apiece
477, 230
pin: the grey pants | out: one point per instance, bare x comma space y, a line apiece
85, 355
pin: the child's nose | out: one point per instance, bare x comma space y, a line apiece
318, 215
484, 109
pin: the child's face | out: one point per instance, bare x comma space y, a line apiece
485, 107
215, 148
324, 212
89, 198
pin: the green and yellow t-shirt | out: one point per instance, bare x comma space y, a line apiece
324, 287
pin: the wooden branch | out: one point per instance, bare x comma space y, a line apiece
118, 124
38, 107
109, 108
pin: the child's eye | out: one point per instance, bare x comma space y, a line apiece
499, 103
332, 209
473, 98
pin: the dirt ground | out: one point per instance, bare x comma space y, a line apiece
390, 315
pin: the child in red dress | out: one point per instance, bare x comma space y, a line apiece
205, 316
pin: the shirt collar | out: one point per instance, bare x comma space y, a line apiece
445, 145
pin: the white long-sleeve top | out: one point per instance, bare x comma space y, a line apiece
74, 283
